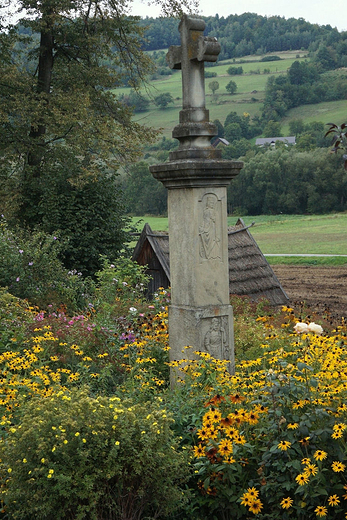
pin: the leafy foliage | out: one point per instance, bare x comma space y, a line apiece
85, 457
231, 87
64, 132
163, 100
30, 268
339, 139
289, 181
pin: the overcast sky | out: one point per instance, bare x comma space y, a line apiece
323, 12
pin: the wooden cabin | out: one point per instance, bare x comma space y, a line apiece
249, 272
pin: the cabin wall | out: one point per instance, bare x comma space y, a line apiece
154, 269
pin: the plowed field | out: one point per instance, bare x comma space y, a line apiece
323, 289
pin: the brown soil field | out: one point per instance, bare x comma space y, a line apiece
323, 289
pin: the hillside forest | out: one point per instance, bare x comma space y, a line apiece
304, 178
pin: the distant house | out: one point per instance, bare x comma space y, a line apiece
249, 272
262, 141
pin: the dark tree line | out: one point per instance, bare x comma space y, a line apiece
289, 181
295, 180
250, 33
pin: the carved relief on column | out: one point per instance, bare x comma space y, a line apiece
216, 337
210, 218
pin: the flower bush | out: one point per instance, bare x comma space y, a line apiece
30, 268
273, 439
76, 456
268, 442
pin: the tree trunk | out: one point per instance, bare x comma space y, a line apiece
45, 67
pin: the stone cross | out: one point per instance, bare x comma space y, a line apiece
200, 314
190, 57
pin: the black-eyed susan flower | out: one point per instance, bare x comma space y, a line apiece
306, 461
252, 492
237, 398
302, 479
255, 506
284, 445
337, 466
320, 455
292, 426
252, 418
286, 503
321, 511
225, 447
199, 451
333, 500
311, 469
246, 500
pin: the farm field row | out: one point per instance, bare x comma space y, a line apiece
287, 234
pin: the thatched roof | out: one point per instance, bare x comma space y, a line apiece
249, 272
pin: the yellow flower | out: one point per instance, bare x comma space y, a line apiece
225, 447
338, 466
9, 470
84, 440
286, 503
333, 500
255, 506
320, 455
117, 443
311, 469
292, 426
77, 434
339, 427
302, 479
321, 511
252, 492
246, 500
284, 445
199, 451
65, 441
43, 460
25, 461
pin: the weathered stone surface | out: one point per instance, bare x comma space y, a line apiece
196, 178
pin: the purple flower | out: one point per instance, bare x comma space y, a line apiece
30, 263
21, 251
17, 279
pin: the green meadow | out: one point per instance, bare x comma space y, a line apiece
248, 98
287, 234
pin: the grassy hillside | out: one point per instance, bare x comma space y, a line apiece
288, 234
248, 98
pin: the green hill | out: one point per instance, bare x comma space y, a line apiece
248, 98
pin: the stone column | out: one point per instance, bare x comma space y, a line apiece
196, 177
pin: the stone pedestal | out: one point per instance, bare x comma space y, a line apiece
200, 315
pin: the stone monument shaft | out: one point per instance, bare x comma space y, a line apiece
196, 177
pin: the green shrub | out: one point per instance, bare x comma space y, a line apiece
121, 288
30, 268
15, 318
78, 457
